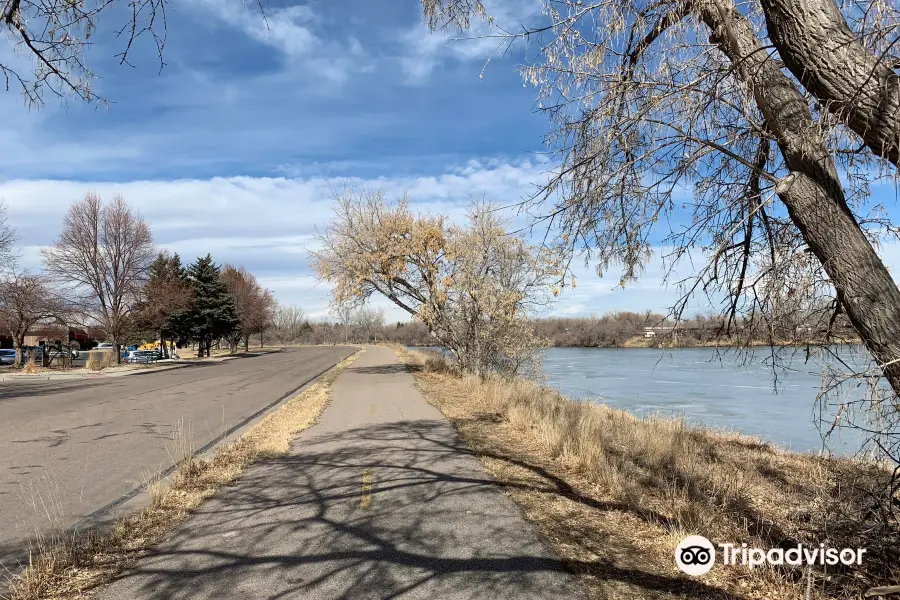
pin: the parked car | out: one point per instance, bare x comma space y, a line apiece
104, 346
63, 352
127, 349
141, 357
7, 357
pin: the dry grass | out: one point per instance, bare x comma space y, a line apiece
31, 365
614, 494
70, 567
99, 360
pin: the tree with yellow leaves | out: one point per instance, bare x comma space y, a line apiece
473, 285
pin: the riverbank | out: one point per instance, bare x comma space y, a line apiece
614, 494
657, 342
641, 342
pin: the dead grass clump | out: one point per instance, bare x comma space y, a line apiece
616, 493
31, 364
72, 565
101, 359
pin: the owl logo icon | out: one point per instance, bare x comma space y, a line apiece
695, 555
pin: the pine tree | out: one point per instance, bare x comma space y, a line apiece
166, 300
213, 315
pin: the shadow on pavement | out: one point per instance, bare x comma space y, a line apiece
17, 389
385, 511
50, 387
382, 369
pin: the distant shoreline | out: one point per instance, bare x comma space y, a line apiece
642, 343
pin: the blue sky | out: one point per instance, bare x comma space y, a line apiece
233, 146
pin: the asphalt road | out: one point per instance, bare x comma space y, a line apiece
70, 448
379, 499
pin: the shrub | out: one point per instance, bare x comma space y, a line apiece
99, 360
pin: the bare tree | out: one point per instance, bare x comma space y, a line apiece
261, 317
778, 116
344, 312
103, 255
25, 301
370, 321
752, 132
55, 33
474, 285
253, 303
288, 322
8, 239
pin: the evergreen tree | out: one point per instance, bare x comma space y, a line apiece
213, 314
166, 301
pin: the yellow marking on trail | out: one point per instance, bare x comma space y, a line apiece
373, 409
365, 496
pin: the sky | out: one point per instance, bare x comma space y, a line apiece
234, 147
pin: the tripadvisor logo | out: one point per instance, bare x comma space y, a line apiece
696, 555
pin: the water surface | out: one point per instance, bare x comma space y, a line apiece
725, 389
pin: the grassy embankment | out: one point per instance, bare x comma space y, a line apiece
614, 494
639, 341
70, 566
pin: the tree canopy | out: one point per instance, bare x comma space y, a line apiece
752, 133
212, 315
472, 285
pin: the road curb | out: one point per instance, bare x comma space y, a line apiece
101, 375
93, 376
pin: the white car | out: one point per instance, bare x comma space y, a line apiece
64, 352
104, 346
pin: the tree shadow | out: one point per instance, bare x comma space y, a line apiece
11, 390
382, 511
382, 369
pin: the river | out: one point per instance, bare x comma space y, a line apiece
725, 390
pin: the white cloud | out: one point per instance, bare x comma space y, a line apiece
287, 29
265, 223
424, 51
268, 224
291, 31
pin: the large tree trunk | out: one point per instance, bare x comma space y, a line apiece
813, 193
18, 344
821, 51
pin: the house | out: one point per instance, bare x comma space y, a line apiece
52, 335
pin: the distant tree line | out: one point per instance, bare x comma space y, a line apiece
619, 329
202, 303
611, 330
